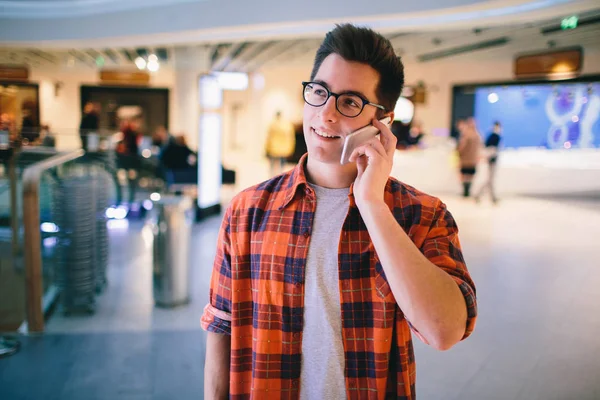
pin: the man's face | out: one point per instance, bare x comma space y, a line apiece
339, 76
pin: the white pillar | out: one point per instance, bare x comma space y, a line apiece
190, 63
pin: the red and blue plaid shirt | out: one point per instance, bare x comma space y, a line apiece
257, 289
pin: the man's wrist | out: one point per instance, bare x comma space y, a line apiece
371, 207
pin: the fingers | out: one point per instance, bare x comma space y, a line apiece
361, 165
388, 140
372, 148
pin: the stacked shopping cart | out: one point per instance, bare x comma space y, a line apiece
81, 197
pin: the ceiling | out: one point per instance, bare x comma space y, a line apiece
44, 9
66, 24
248, 56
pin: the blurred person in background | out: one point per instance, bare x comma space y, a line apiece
161, 138
6, 134
469, 148
177, 154
29, 126
128, 157
7, 124
415, 134
400, 131
130, 138
492, 145
319, 270
280, 144
48, 138
90, 123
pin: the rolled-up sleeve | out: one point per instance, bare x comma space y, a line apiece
217, 313
442, 248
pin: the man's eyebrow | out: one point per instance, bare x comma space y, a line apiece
356, 92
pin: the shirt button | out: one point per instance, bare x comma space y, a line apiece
296, 335
306, 234
295, 383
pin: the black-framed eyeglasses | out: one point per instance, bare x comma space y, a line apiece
348, 104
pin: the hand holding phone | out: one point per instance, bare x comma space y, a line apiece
358, 138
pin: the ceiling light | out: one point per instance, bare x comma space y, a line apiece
155, 196
153, 66
152, 57
140, 63
493, 98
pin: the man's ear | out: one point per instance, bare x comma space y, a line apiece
391, 115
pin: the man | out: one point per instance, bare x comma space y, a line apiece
48, 138
162, 138
90, 123
492, 144
177, 155
280, 144
469, 146
319, 271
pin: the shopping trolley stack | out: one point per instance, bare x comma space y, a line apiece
74, 211
102, 186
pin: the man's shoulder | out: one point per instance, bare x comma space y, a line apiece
405, 195
414, 208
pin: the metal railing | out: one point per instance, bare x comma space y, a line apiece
32, 237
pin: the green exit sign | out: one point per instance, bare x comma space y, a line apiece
569, 22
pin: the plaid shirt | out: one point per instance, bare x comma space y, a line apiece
257, 289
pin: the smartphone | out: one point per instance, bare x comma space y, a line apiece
359, 137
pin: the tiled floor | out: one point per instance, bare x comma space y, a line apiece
535, 263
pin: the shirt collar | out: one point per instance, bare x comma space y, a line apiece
297, 179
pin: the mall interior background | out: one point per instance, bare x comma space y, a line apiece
276, 67
161, 60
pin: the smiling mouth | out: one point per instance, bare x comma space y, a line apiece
324, 135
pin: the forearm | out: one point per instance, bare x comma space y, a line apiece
429, 297
216, 367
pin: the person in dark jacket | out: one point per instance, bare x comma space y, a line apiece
90, 122
177, 155
492, 144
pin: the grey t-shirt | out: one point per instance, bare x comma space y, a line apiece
322, 375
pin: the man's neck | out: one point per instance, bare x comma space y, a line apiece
330, 176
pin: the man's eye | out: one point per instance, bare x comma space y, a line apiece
320, 92
351, 103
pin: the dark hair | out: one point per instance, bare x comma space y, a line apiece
364, 45
497, 123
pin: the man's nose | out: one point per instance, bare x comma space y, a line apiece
328, 110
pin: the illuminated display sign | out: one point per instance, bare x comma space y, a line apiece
569, 22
